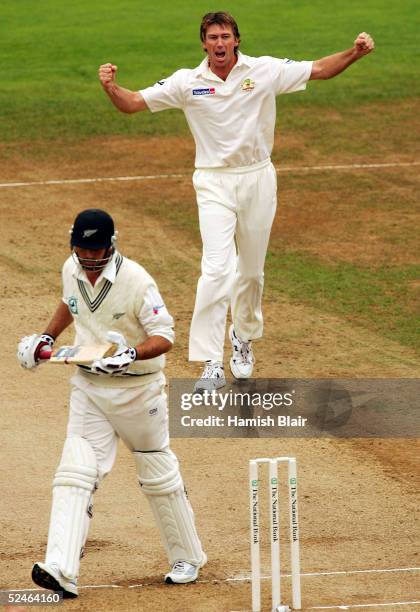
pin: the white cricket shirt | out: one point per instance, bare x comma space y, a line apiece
232, 121
125, 299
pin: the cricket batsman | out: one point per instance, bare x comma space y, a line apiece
110, 297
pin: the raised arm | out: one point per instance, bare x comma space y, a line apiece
331, 65
125, 100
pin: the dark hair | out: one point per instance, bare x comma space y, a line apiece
221, 18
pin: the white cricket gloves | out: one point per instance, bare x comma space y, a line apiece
120, 361
30, 348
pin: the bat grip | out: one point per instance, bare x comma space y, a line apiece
45, 353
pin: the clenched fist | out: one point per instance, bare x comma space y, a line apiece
364, 44
107, 74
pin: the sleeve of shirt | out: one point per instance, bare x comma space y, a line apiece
154, 316
65, 275
167, 93
289, 76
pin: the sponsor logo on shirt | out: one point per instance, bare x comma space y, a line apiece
248, 85
204, 91
289, 61
157, 307
153, 411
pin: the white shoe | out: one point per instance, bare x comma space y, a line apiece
213, 377
242, 360
50, 577
183, 572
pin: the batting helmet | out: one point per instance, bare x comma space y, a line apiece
92, 229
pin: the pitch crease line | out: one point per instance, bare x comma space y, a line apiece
366, 605
333, 607
151, 177
335, 573
247, 578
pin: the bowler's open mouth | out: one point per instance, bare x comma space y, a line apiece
220, 54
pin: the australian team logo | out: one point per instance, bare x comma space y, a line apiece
248, 85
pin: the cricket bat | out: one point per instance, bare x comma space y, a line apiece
79, 354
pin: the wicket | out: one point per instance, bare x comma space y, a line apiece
273, 491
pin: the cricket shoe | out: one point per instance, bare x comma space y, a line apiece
213, 377
242, 360
50, 577
183, 572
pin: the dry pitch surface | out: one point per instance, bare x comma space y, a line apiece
358, 498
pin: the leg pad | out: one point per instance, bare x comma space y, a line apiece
73, 486
161, 482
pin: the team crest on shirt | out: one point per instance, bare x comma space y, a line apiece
72, 304
248, 85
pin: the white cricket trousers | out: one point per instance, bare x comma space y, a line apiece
234, 205
103, 415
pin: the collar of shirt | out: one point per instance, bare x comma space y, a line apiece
109, 272
204, 71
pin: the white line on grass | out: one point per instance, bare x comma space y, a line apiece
144, 177
153, 177
347, 166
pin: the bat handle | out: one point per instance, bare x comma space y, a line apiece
45, 353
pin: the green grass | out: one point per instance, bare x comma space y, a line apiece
378, 297
383, 299
51, 50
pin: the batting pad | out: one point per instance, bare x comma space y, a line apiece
73, 486
161, 482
